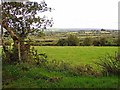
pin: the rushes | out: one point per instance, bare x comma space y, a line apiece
110, 64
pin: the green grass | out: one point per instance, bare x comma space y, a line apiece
76, 54
15, 76
35, 77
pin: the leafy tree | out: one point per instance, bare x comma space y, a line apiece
21, 19
73, 40
109, 42
103, 41
87, 41
103, 30
116, 41
62, 42
96, 42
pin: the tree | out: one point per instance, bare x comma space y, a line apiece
21, 19
87, 41
96, 42
73, 40
103, 41
62, 42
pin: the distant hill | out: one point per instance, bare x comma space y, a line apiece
68, 29
74, 29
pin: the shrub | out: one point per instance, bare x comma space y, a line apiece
37, 58
33, 57
7, 55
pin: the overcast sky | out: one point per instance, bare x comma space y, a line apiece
84, 13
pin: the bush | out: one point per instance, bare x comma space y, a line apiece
33, 57
110, 64
9, 55
73, 40
37, 58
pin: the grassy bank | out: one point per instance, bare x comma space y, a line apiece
36, 77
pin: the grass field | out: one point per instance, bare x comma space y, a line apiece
76, 54
27, 76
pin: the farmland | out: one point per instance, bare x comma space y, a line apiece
65, 65
36, 55
41, 77
57, 73
76, 54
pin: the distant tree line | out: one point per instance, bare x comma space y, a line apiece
73, 40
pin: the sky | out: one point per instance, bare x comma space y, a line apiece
83, 13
